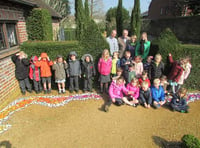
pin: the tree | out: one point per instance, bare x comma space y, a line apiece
79, 18
135, 25
119, 18
111, 19
96, 8
87, 11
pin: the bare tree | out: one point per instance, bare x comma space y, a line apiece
96, 8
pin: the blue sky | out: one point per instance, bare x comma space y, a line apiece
128, 4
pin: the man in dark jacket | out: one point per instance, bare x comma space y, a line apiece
22, 71
88, 71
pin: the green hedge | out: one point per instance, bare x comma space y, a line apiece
39, 25
70, 34
189, 141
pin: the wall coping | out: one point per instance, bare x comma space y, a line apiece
8, 52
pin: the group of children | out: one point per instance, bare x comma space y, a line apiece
128, 80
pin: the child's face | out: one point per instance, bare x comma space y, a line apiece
119, 73
44, 59
73, 57
145, 87
137, 60
149, 59
60, 60
133, 40
127, 55
181, 95
157, 84
87, 59
134, 83
119, 82
158, 59
144, 77
131, 68
115, 55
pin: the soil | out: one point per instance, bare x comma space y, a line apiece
84, 124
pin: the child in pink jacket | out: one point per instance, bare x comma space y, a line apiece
117, 90
104, 68
138, 66
133, 87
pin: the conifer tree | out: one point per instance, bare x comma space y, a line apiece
119, 18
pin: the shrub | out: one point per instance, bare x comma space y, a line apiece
39, 25
189, 141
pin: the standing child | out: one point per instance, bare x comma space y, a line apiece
88, 71
145, 78
59, 67
138, 66
125, 62
156, 69
178, 102
73, 72
147, 63
145, 95
104, 68
34, 74
175, 73
44, 63
21, 71
132, 45
133, 87
115, 64
164, 83
158, 94
131, 73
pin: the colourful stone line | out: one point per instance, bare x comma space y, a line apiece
50, 101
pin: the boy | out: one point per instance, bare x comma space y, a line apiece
158, 94
145, 95
73, 72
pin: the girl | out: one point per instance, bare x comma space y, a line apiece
34, 74
133, 87
131, 45
115, 64
21, 71
138, 66
59, 67
164, 83
143, 47
145, 78
104, 68
44, 63
156, 69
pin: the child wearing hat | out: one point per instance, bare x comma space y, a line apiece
45, 66
59, 67
73, 71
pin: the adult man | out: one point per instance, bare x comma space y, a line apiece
112, 41
123, 41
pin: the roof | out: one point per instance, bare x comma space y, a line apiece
39, 4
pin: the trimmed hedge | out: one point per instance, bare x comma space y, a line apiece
39, 25
189, 141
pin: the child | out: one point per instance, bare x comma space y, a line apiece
156, 69
178, 102
131, 73
44, 63
143, 78
88, 71
131, 45
175, 73
138, 66
21, 71
158, 94
119, 73
73, 72
164, 83
147, 63
34, 74
115, 64
145, 95
125, 62
59, 67
116, 93
133, 87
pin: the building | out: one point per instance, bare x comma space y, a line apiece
13, 14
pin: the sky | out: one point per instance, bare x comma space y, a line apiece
128, 4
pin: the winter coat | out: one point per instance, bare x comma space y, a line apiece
21, 67
74, 68
176, 70
60, 70
158, 94
34, 71
88, 68
147, 45
138, 69
134, 89
178, 101
104, 67
124, 66
147, 80
117, 91
44, 67
145, 95
156, 71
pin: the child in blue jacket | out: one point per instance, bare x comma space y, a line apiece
158, 94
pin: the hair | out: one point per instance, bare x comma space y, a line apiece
155, 81
120, 78
145, 83
133, 37
105, 54
183, 91
119, 69
138, 57
135, 80
116, 53
131, 65
144, 73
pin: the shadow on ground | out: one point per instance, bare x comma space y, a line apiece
162, 143
5, 144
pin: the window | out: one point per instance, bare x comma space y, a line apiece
161, 11
2, 39
12, 38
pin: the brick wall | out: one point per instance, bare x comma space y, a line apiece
7, 78
21, 27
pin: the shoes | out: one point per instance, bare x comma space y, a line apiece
106, 109
63, 91
45, 91
23, 92
71, 91
76, 91
29, 90
136, 104
60, 91
49, 91
37, 92
133, 105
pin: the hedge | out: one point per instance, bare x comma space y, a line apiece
190, 141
